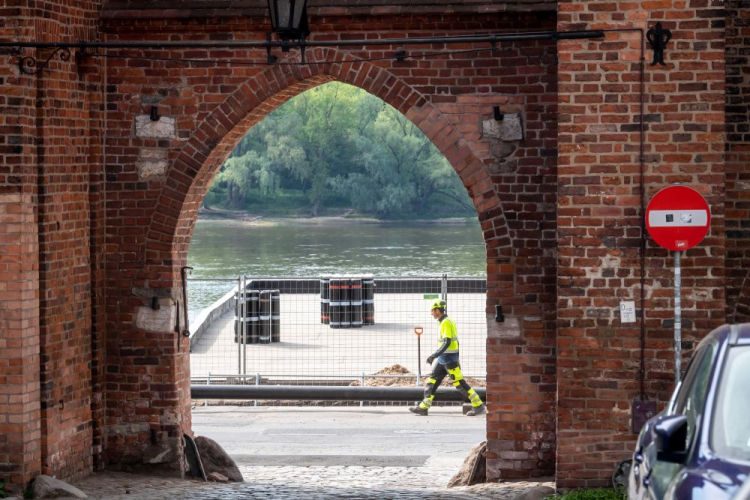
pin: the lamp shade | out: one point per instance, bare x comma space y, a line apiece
289, 18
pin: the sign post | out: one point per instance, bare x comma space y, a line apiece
677, 218
677, 318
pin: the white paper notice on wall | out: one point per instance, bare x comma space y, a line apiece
627, 311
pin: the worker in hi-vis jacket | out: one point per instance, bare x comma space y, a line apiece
446, 363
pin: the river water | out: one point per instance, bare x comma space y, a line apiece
227, 249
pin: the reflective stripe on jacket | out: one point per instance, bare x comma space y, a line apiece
448, 331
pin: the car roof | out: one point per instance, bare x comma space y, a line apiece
734, 334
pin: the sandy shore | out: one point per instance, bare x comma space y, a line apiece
246, 219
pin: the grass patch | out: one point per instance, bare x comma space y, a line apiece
593, 494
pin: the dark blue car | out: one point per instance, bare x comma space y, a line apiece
698, 448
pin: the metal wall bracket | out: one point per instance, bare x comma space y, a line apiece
183, 272
28, 64
270, 58
499, 316
658, 38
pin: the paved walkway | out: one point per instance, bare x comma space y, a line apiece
371, 453
295, 483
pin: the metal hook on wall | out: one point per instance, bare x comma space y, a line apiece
658, 37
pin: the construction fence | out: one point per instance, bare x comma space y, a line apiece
356, 330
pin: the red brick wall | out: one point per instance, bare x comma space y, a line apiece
599, 215
51, 132
20, 433
258, 8
562, 246
20, 427
737, 160
150, 221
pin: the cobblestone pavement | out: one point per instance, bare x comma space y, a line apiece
294, 483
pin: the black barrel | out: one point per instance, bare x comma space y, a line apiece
355, 300
325, 300
241, 317
253, 297
346, 305
368, 300
264, 317
275, 316
336, 307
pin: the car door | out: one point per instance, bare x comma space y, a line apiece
655, 474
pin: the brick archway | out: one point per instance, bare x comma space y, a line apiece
523, 424
97, 215
190, 175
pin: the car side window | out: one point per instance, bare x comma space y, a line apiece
692, 397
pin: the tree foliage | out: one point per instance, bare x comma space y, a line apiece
338, 141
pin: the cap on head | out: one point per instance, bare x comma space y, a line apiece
439, 304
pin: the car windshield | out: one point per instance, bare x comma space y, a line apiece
730, 436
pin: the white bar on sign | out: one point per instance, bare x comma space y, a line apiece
678, 218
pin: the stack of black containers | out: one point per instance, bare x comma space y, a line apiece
347, 302
262, 316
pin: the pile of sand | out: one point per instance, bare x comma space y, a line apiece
407, 381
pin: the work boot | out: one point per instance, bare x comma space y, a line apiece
418, 410
477, 410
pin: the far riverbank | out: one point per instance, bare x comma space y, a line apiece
346, 217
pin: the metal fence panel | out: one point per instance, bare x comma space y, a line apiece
303, 350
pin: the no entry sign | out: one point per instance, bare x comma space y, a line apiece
677, 218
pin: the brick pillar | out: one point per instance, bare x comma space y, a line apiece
20, 435
738, 159
20, 416
599, 216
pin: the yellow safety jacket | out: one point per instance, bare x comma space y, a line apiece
448, 331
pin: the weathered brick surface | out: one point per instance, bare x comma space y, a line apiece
599, 215
83, 383
68, 138
128, 9
150, 221
738, 159
52, 133
20, 427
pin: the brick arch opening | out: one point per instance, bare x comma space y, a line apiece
520, 428
192, 172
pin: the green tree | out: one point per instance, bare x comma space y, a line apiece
330, 125
403, 171
336, 139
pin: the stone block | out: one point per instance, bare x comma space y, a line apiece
536, 493
474, 468
167, 451
129, 429
215, 459
152, 163
509, 328
49, 487
509, 129
163, 128
159, 320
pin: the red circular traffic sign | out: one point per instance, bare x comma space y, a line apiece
677, 218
